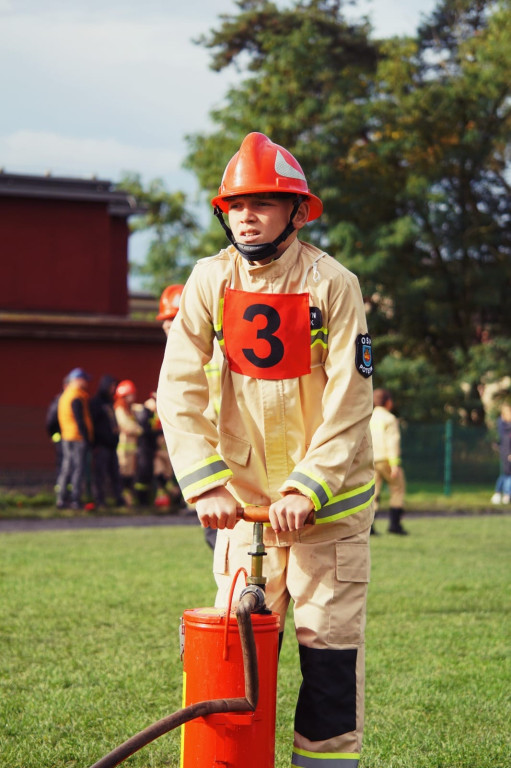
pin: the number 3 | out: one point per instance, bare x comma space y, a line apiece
266, 333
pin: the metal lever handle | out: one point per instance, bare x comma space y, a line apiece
253, 514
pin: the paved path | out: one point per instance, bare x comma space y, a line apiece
18, 525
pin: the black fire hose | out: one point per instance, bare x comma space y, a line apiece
251, 600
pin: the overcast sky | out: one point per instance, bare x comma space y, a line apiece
107, 86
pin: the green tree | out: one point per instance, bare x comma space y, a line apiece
174, 231
308, 71
448, 134
407, 143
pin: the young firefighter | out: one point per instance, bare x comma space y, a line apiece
294, 431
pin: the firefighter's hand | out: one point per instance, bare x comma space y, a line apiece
290, 513
217, 509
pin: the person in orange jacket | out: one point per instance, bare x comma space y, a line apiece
77, 434
293, 431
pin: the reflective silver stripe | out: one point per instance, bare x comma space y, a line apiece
219, 335
304, 481
204, 474
320, 337
346, 504
322, 761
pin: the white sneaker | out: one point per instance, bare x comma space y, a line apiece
496, 498
506, 498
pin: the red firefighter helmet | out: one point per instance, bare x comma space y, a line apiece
169, 302
125, 387
262, 166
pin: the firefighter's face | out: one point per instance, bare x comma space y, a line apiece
256, 219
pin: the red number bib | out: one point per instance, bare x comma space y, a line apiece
267, 335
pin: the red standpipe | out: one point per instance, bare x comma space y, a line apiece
231, 739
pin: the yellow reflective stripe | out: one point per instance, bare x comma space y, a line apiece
203, 473
313, 487
319, 336
346, 504
218, 327
395, 462
302, 758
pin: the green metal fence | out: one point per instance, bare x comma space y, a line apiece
449, 453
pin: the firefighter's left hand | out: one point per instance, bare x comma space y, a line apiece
290, 513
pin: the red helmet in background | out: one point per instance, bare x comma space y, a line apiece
169, 302
124, 388
262, 166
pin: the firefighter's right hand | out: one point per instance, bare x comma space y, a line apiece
217, 509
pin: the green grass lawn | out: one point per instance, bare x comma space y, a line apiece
89, 651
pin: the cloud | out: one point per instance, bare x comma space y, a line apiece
101, 75
28, 151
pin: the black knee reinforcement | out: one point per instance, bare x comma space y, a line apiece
327, 702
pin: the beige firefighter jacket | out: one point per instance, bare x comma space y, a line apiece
129, 431
309, 433
386, 436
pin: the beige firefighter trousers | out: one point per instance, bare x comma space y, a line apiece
397, 485
327, 581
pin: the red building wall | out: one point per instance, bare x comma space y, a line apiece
63, 304
62, 256
34, 376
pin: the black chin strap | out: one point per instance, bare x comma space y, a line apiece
259, 251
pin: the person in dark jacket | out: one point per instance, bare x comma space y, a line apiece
105, 464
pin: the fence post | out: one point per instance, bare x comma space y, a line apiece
448, 457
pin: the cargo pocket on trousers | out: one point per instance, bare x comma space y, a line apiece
352, 569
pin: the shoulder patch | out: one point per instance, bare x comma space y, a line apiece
364, 355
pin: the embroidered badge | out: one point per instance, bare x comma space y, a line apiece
364, 355
316, 318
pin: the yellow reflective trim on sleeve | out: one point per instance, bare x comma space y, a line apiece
189, 490
346, 504
313, 487
203, 473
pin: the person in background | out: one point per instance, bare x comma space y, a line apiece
293, 431
77, 435
129, 432
386, 437
53, 428
502, 493
154, 471
169, 306
105, 464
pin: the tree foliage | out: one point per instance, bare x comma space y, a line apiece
173, 229
406, 141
